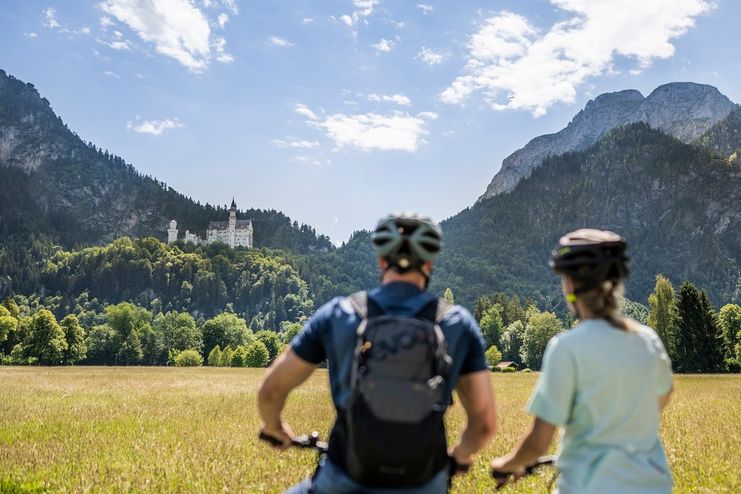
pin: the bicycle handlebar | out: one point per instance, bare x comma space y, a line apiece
503, 478
310, 442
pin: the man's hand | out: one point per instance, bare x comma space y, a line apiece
287, 372
460, 459
283, 433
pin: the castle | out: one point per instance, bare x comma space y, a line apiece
234, 232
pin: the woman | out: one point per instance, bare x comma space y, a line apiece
604, 382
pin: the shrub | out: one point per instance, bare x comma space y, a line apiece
214, 358
732, 365
226, 356
256, 354
272, 343
188, 358
495, 369
239, 357
508, 369
526, 370
493, 356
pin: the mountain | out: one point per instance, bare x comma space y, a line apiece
678, 205
684, 110
724, 137
56, 185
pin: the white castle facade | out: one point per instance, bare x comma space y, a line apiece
233, 232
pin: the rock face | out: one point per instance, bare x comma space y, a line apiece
683, 110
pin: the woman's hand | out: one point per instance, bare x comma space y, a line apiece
506, 466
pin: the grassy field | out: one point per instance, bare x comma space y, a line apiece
95, 429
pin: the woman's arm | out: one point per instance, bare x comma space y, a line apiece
534, 444
664, 399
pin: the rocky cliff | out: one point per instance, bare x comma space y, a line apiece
683, 110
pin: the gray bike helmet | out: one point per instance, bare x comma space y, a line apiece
591, 257
407, 240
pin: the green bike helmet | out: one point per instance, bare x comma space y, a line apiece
591, 256
407, 240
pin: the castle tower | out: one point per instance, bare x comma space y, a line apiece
233, 224
172, 232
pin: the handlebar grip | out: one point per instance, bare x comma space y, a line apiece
500, 475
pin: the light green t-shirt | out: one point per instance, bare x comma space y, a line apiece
601, 385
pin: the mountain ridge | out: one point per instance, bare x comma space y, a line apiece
685, 110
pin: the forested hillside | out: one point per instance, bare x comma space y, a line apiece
679, 206
73, 193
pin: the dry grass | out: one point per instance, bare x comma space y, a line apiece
93, 429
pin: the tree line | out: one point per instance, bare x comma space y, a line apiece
126, 334
696, 337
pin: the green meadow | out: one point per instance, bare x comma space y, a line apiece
139, 429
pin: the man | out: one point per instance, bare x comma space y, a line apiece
370, 336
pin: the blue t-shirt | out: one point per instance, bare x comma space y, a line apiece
331, 335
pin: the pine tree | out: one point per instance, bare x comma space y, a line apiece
663, 315
698, 339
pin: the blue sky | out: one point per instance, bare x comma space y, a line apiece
337, 112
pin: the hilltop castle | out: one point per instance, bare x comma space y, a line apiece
234, 232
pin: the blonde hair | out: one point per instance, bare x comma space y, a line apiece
604, 301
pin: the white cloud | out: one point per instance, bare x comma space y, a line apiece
219, 45
517, 67
426, 9
396, 131
222, 20
307, 20
49, 15
363, 9
155, 127
306, 159
30, 35
430, 57
384, 45
120, 45
282, 42
399, 99
110, 73
105, 22
231, 5
50, 18
295, 144
305, 111
177, 28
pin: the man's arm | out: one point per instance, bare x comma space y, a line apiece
477, 398
287, 372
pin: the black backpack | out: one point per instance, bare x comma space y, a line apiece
392, 432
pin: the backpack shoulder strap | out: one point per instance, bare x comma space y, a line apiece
359, 303
443, 307
434, 310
